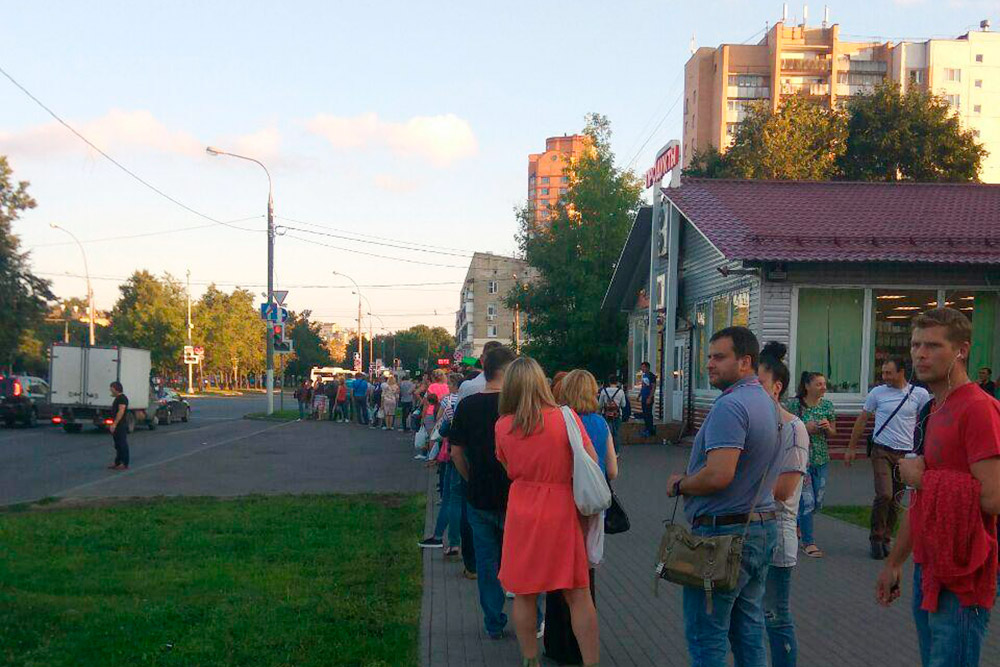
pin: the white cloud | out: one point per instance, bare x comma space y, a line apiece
440, 140
395, 184
115, 130
263, 144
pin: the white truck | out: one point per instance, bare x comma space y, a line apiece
80, 385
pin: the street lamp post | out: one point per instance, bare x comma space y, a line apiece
86, 270
344, 275
270, 265
371, 340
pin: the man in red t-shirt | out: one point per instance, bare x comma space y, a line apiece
960, 435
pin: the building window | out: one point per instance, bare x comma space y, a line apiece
979, 57
565, 179
731, 129
741, 309
977, 108
954, 101
491, 311
493, 287
545, 191
981, 308
545, 180
979, 83
829, 336
661, 291
917, 76
720, 312
892, 319
951, 74
491, 331
562, 191
975, 133
701, 346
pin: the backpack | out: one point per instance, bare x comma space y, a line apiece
611, 409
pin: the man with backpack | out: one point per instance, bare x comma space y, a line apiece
613, 404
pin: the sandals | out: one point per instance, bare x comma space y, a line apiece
452, 552
812, 551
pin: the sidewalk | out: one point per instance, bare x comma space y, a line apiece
838, 622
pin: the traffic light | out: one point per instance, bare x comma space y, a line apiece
281, 344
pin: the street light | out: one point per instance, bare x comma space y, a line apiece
344, 275
211, 150
86, 270
371, 342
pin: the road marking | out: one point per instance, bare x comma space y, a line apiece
131, 471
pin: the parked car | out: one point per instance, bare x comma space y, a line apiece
171, 407
24, 399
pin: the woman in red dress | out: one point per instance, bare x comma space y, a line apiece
543, 544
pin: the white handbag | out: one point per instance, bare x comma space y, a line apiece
590, 488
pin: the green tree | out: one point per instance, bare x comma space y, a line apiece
800, 141
23, 295
309, 349
912, 137
574, 255
708, 163
151, 314
229, 327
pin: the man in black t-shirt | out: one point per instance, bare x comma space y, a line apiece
119, 426
473, 451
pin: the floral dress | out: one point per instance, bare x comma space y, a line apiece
819, 452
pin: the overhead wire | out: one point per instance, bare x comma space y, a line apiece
377, 255
371, 236
387, 244
145, 234
249, 284
112, 160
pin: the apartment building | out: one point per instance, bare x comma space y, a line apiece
813, 62
547, 177
966, 71
721, 83
482, 315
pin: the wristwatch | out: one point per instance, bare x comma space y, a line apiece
677, 487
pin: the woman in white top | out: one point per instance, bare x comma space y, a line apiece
611, 402
794, 460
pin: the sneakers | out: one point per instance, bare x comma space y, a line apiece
541, 631
430, 543
471, 576
420, 457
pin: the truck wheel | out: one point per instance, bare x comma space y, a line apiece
72, 428
31, 421
129, 423
167, 419
186, 416
151, 423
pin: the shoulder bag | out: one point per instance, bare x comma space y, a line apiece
590, 488
616, 518
871, 439
710, 563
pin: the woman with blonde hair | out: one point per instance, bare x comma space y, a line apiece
390, 398
543, 542
579, 391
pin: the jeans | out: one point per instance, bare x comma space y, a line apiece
778, 617
120, 437
813, 493
407, 408
468, 546
340, 412
953, 635
737, 618
361, 409
450, 511
613, 426
487, 536
647, 416
888, 490
302, 409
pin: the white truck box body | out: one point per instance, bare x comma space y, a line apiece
101, 370
66, 374
133, 372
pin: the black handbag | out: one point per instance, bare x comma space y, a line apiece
615, 517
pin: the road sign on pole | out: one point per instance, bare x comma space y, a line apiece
272, 312
279, 296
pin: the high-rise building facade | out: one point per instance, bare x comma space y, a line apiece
482, 315
547, 177
721, 83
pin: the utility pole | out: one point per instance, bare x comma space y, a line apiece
86, 270
361, 358
190, 366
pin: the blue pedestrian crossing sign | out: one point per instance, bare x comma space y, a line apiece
272, 312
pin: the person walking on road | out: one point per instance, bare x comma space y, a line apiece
728, 490
646, 393
818, 415
359, 390
895, 404
951, 524
119, 426
794, 461
473, 451
543, 542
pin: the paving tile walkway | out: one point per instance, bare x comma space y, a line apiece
837, 621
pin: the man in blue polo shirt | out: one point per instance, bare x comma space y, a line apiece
728, 485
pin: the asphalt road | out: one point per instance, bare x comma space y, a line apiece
217, 453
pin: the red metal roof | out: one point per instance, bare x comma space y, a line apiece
791, 221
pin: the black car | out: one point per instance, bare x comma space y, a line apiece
24, 399
171, 407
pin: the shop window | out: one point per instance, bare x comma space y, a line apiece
640, 344
892, 320
741, 310
829, 336
720, 312
701, 346
981, 308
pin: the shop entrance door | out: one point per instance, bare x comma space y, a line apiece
680, 382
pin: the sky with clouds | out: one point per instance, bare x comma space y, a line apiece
406, 125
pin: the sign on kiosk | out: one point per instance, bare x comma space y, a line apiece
667, 160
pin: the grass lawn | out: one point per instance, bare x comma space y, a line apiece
277, 415
292, 580
859, 515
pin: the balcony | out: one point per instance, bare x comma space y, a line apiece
810, 65
806, 89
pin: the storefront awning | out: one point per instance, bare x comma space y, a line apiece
634, 257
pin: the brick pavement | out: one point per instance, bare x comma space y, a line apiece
837, 620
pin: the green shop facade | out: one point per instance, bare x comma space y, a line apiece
836, 271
